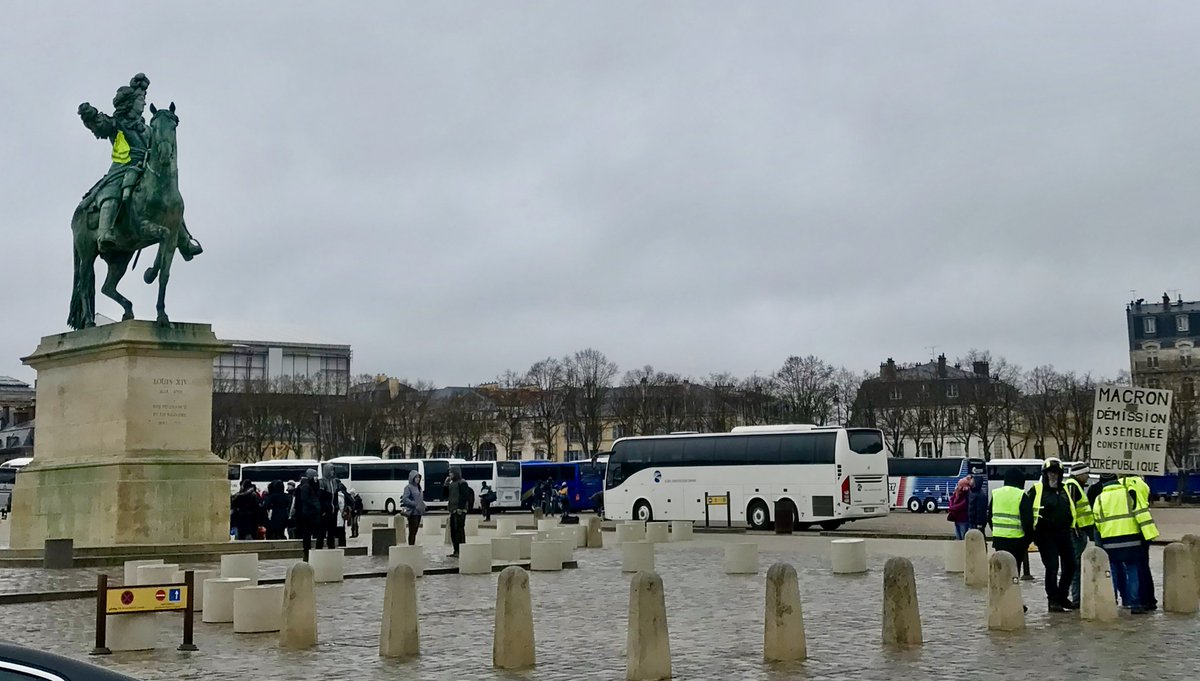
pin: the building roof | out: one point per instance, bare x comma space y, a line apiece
333, 347
929, 372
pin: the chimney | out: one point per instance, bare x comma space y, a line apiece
1166, 302
887, 370
980, 369
941, 365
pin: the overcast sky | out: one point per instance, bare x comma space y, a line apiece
456, 189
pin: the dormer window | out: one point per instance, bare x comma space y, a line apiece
1148, 326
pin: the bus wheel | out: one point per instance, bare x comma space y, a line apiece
914, 505
389, 507
931, 505
757, 516
830, 525
642, 511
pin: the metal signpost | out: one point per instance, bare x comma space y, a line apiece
144, 598
1129, 430
718, 500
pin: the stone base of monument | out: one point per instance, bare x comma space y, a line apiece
123, 440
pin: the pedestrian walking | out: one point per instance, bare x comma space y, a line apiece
307, 511
1122, 538
959, 510
459, 503
278, 506
1084, 520
1048, 515
246, 510
486, 496
357, 507
412, 505
342, 507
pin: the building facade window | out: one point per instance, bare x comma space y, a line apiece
1148, 326
1153, 383
952, 391
1152, 360
1039, 450
1185, 358
1181, 324
1189, 387
896, 394
927, 450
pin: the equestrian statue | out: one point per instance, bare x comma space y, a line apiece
135, 205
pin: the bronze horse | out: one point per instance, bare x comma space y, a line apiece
153, 215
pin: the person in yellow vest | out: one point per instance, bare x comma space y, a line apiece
1048, 516
1004, 515
1121, 537
1084, 522
1141, 496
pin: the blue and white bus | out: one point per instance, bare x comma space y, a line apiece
925, 485
584, 479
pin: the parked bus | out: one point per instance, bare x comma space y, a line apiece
584, 479
381, 482
925, 485
504, 477
1031, 470
8, 480
263, 473
828, 474
235, 477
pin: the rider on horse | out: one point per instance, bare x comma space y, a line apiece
130, 140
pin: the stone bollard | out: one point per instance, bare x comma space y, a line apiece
58, 554
595, 533
475, 559
398, 633
382, 539
446, 541
1097, 599
647, 646
1192, 541
566, 549
637, 556
433, 525
505, 526
131, 567
472, 527
131, 632
659, 533
329, 565
218, 599
741, 559
783, 633
975, 559
524, 544
546, 557
240, 565
298, 623
512, 644
412, 556
848, 556
1005, 607
580, 536
681, 530
158, 574
630, 532
955, 556
1179, 581
257, 609
198, 579
506, 549
547, 524
901, 614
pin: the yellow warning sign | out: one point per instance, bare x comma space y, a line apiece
722, 500
145, 599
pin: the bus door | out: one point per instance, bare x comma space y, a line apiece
435, 481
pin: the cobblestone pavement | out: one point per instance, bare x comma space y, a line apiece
715, 623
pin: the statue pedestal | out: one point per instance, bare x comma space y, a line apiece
122, 449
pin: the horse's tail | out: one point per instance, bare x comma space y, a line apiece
83, 287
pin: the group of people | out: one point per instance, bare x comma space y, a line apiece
1060, 514
551, 500
322, 509
460, 498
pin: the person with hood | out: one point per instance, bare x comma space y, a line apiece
486, 496
1004, 515
1116, 512
307, 510
977, 503
1048, 516
356, 509
342, 508
246, 511
278, 506
328, 490
459, 494
412, 506
958, 511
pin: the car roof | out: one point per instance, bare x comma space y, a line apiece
72, 670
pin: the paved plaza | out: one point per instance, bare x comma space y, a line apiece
580, 620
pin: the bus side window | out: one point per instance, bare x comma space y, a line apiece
798, 449
699, 451
730, 451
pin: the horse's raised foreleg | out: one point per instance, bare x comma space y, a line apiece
166, 254
117, 264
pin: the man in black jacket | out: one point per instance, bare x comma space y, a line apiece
1048, 515
308, 510
459, 495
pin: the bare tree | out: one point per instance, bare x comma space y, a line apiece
806, 388
410, 415
545, 379
721, 414
1182, 435
512, 401
587, 380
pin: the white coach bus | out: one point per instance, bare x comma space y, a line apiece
828, 474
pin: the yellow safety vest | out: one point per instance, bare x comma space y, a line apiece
1037, 506
1115, 518
1083, 510
1006, 513
120, 153
1141, 509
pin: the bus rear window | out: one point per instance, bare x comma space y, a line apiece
508, 469
235, 473
865, 441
